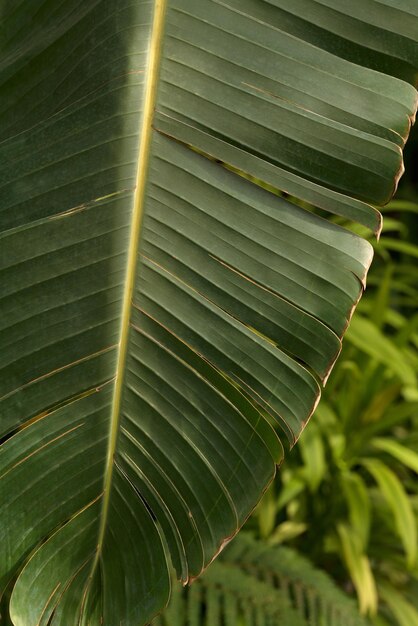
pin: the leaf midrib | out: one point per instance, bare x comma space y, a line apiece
145, 136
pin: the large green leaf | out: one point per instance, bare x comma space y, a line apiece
159, 312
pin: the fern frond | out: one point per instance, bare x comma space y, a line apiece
310, 591
253, 584
228, 596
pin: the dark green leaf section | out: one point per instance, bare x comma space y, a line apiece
335, 123
276, 176
58, 570
240, 298
72, 82
377, 34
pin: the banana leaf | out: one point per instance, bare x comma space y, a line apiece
171, 287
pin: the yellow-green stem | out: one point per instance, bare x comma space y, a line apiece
145, 136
